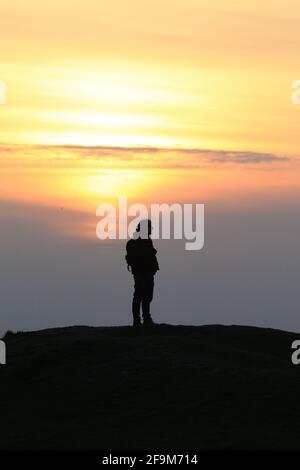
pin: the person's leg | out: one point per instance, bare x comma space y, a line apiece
136, 302
146, 309
136, 310
148, 287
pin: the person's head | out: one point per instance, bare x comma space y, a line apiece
144, 228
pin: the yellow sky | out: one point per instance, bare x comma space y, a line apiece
160, 73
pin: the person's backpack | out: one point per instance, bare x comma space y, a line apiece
129, 255
141, 257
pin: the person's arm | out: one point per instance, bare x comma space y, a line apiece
155, 262
128, 257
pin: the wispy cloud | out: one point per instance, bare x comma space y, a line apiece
247, 157
132, 157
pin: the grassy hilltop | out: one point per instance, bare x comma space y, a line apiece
209, 387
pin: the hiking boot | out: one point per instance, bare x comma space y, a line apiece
148, 321
137, 323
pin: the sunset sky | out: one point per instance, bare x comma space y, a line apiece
168, 73
160, 101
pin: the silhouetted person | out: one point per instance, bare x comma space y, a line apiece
141, 258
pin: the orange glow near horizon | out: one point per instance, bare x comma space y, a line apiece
80, 188
73, 182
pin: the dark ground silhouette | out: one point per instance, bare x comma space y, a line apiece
165, 387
